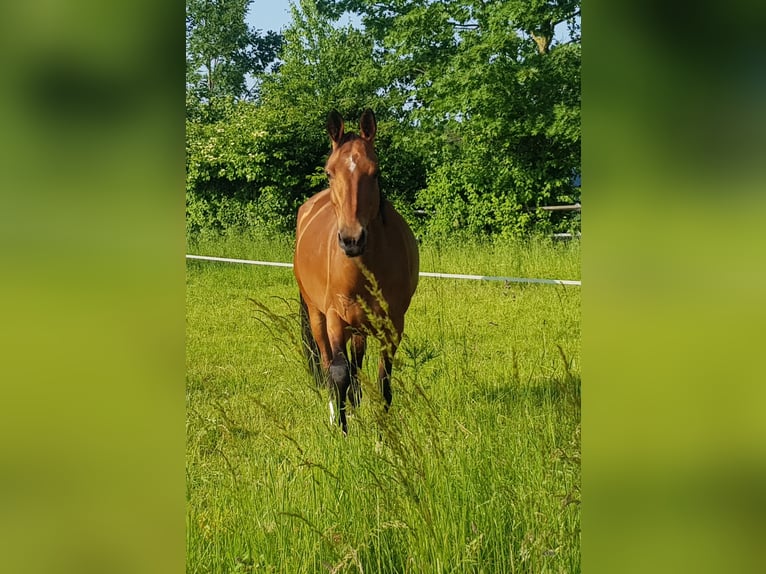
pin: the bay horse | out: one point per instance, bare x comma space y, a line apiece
350, 242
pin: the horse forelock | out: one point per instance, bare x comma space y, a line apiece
347, 137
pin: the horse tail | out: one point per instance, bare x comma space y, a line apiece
310, 347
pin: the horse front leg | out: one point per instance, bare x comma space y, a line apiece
384, 378
328, 350
358, 346
340, 379
385, 365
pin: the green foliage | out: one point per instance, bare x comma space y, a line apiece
506, 118
235, 175
246, 161
478, 108
496, 101
267, 156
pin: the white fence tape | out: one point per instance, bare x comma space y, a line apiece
422, 273
246, 261
506, 279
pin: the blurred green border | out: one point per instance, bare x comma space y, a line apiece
92, 290
674, 141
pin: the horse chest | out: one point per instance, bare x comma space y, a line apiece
352, 311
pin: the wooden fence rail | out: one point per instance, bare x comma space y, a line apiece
574, 207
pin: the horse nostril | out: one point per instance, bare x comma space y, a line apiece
352, 246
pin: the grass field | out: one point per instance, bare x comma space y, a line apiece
478, 469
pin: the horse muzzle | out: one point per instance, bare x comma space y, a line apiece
353, 246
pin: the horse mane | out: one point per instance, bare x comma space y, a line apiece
383, 201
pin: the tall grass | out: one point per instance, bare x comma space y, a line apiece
475, 468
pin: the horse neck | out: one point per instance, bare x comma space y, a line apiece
376, 236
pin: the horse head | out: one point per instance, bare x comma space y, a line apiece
352, 169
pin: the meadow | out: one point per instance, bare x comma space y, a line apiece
476, 467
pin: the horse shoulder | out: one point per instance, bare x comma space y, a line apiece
312, 207
310, 259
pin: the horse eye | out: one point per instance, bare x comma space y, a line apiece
327, 173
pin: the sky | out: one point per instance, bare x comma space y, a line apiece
275, 15
269, 14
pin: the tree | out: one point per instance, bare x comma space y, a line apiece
507, 106
496, 100
222, 50
478, 107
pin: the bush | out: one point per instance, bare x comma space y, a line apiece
245, 168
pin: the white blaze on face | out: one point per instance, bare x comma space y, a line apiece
332, 414
351, 164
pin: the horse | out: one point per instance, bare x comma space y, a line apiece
356, 263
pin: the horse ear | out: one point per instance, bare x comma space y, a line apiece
367, 125
335, 127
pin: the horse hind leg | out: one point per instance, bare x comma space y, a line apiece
310, 347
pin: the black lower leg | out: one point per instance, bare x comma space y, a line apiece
339, 374
384, 377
